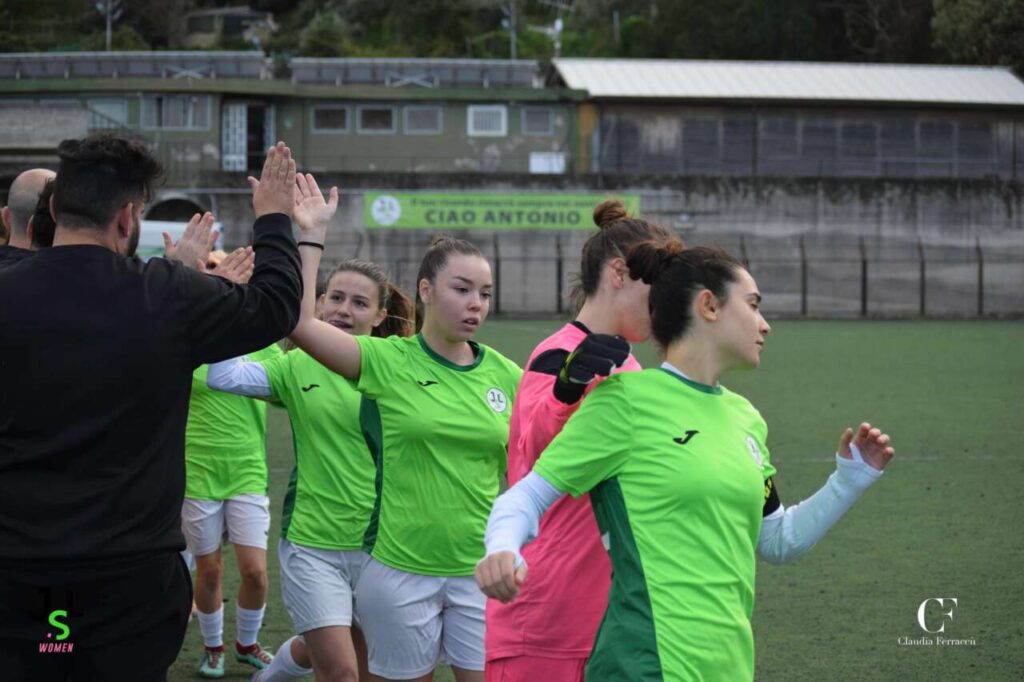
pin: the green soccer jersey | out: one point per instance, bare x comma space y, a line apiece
225, 440
676, 472
331, 492
439, 433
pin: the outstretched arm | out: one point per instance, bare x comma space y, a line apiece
514, 521
332, 347
787, 533
239, 377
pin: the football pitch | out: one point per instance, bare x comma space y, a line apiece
943, 523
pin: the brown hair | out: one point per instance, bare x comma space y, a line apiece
441, 247
676, 275
617, 233
399, 320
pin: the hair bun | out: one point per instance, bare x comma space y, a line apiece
647, 259
439, 238
608, 212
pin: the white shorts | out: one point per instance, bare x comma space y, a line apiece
411, 621
242, 520
317, 585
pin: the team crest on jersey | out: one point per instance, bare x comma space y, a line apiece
497, 399
755, 451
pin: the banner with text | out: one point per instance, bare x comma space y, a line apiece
488, 211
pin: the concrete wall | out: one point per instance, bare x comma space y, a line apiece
834, 227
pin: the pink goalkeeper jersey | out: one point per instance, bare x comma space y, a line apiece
564, 597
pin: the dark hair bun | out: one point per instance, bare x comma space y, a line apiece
438, 239
647, 259
609, 212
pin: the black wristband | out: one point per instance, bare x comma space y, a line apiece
319, 246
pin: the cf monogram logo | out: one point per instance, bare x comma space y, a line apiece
941, 601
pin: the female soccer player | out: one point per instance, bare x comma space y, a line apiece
547, 633
436, 419
226, 489
680, 479
331, 493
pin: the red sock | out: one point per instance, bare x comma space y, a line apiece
218, 649
252, 648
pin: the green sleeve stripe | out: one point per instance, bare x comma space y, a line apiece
369, 422
625, 647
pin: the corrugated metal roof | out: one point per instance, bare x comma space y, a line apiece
781, 81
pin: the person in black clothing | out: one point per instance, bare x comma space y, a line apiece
96, 357
18, 216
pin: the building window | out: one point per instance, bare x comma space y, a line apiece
376, 120
107, 112
182, 112
858, 140
778, 137
330, 119
423, 121
538, 121
487, 121
935, 139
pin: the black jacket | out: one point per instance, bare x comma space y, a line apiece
96, 359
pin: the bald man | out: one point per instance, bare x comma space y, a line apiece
22, 198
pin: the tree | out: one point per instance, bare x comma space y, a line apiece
987, 32
325, 37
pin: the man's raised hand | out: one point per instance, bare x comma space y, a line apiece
274, 191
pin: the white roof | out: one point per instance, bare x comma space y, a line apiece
729, 80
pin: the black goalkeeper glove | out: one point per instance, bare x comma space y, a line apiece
597, 355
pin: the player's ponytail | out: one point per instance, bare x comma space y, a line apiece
617, 234
401, 314
676, 276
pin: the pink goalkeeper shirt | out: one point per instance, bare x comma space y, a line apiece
561, 604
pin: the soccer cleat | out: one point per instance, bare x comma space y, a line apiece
254, 655
257, 676
212, 663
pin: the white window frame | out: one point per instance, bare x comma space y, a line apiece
472, 109
440, 120
551, 121
160, 124
330, 131
359, 120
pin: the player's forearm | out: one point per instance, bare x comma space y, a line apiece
238, 377
788, 533
515, 517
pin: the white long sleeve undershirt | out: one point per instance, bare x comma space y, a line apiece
239, 376
786, 533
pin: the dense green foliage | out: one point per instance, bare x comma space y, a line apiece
904, 31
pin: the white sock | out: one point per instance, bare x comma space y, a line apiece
284, 668
212, 627
249, 622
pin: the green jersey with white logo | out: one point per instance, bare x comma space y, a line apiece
439, 433
330, 493
225, 440
676, 472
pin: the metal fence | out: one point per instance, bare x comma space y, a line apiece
534, 277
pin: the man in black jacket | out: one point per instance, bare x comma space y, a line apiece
96, 357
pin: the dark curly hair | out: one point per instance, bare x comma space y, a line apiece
97, 175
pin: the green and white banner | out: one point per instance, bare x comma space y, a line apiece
487, 210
